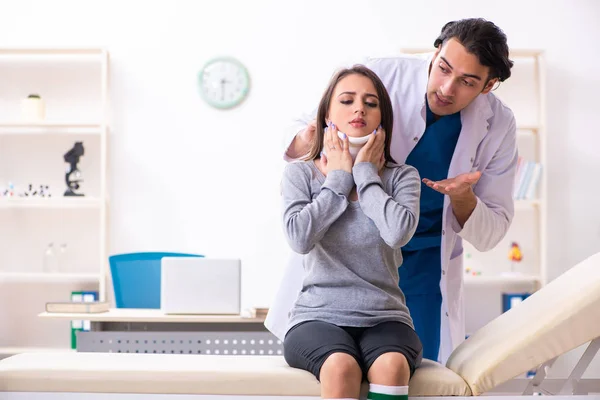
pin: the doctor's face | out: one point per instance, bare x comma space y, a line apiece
354, 106
456, 79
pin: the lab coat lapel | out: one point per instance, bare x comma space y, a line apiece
474, 119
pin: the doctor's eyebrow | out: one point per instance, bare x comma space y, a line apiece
354, 93
464, 75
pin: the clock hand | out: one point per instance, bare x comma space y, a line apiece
223, 82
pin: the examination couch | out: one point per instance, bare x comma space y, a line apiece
561, 316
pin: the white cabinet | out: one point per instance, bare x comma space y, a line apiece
73, 86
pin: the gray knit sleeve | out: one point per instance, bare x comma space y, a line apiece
396, 214
306, 220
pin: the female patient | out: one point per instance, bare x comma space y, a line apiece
350, 213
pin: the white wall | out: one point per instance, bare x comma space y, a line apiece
185, 177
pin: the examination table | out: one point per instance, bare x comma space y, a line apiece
561, 316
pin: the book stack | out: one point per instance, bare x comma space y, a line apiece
527, 178
81, 302
78, 307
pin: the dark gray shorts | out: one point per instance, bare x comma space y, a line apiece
308, 344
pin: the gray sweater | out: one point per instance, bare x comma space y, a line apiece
352, 247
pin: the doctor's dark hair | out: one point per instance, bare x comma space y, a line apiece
385, 106
483, 39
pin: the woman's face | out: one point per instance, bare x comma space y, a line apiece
354, 107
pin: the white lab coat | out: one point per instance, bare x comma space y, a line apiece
487, 143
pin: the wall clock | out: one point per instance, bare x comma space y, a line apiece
224, 82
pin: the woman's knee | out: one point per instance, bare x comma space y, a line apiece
340, 366
390, 369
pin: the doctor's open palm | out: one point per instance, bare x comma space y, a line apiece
457, 186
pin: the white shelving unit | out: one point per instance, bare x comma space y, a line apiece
524, 93
74, 86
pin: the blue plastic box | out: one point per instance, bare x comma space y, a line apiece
136, 278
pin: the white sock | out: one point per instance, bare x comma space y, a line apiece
384, 392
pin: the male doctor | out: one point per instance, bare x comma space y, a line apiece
462, 140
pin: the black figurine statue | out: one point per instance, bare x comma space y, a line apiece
73, 175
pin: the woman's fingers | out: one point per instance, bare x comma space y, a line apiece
326, 141
380, 138
345, 144
335, 140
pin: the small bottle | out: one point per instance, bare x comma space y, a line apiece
62, 257
50, 259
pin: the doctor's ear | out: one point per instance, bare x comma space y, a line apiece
490, 85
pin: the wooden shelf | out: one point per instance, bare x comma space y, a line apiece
526, 204
40, 51
526, 131
150, 315
501, 279
59, 202
56, 277
49, 127
533, 128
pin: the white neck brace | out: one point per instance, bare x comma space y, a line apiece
356, 143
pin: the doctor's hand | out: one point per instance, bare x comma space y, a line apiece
337, 155
372, 151
308, 134
302, 141
456, 187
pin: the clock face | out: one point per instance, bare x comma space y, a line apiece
224, 82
